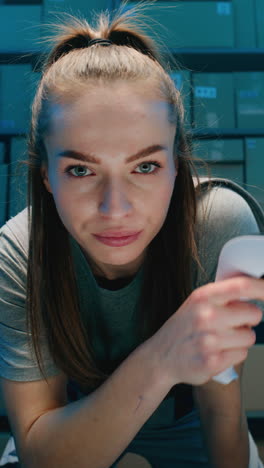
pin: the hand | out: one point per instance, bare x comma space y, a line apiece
209, 332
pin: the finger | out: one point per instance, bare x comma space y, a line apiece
211, 343
227, 358
232, 289
239, 314
233, 315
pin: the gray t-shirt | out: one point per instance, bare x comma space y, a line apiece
229, 216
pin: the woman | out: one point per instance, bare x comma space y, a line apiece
126, 325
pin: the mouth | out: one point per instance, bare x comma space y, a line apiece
118, 240
117, 234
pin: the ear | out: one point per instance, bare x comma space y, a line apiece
45, 178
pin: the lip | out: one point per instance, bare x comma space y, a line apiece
118, 241
117, 234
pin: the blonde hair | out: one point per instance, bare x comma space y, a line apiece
70, 68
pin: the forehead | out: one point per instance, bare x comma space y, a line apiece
116, 105
112, 118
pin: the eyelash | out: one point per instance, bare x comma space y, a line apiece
69, 168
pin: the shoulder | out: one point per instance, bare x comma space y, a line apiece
13, 264
227, 207
16, 359
222, 214
14, 234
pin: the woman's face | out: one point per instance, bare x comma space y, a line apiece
111, 168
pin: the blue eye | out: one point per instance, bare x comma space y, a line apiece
145, 165
80, 174
150, 163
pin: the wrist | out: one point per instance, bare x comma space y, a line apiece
153, 357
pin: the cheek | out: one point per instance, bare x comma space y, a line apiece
160, 201
166, 193
166, 189
64, 199
64, 189
76, 208
54, 181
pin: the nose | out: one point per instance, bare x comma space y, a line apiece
115, 203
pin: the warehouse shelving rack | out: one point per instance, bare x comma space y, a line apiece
199, 60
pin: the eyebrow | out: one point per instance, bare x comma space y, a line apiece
93, 159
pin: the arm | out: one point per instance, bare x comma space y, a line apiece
221, 408
91, 432
224, 422
48, 432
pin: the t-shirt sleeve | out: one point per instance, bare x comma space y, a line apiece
17, 361
227, 215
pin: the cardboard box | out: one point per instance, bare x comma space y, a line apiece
255, 168
253, 380
83, 8
21, 2
2, 153
213, 100
15, 97
192, 24
220, 150
233, 172
245, 23
260, 23
20, 27
3, 193
18, 177
249, 92
182, 80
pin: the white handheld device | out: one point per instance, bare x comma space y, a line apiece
240, 255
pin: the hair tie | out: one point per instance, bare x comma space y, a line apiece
103, 42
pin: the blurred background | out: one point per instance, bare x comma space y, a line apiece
219, 47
